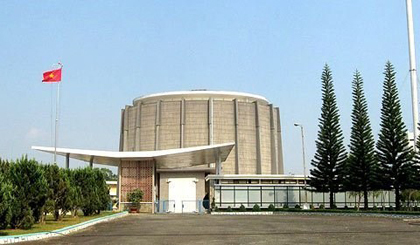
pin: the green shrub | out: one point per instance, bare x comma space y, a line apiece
216, 209
297, 206
242, 208
271, 207
311, 206
59, 196
229, 209
322, 206
135, 196
374, 208
333, 206
285, 206
30, 192
27, 220
102, 190
346, 207
94, 193
6, 200
256, 208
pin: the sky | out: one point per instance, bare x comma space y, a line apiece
115, 51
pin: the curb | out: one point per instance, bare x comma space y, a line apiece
241, 213
59, 232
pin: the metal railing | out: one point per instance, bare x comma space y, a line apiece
184, 206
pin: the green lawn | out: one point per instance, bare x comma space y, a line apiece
51, 225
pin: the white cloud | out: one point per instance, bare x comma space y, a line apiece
34, 133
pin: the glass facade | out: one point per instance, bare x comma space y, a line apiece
280, 195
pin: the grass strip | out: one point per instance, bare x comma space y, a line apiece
51, 224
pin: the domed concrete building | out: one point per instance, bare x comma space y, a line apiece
197, 118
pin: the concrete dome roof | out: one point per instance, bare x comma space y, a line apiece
202, 94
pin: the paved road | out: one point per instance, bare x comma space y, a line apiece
275, 229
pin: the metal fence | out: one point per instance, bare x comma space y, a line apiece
280, 196
181, 206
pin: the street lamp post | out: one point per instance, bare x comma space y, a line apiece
305, 206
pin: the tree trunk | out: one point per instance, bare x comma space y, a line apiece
56, 215
397, 198
331, 199
42, 220
410, 193
366, 201
359, 200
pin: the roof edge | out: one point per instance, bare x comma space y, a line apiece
202, 93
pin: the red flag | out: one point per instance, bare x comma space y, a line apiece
52, 76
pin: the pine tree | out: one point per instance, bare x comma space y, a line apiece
362, 166
30, 192
59, 188
393, 148
330, 154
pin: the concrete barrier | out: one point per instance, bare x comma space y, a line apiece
59, 232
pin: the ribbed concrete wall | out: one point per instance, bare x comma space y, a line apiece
247, 144
170, 125
224, 129
147, 127
166, 122
196, 123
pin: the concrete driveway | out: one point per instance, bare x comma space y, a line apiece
275, 229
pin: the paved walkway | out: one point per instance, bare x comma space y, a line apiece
275, 229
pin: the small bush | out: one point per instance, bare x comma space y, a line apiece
346, 207
271, 207
27, 220
285, 206
135, 196
311, 206
374, 208
256, 208
297, 206
321, 206
333, 206
391, 208
242, 208
216, 209
229, 209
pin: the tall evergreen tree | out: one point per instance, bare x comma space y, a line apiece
30, 192
393, 150
414, 178
330, 156
59, 188
362, 166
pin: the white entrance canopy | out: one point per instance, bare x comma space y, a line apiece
165, 159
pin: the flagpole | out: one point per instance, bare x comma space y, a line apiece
413, 71
56, 122
57, 113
